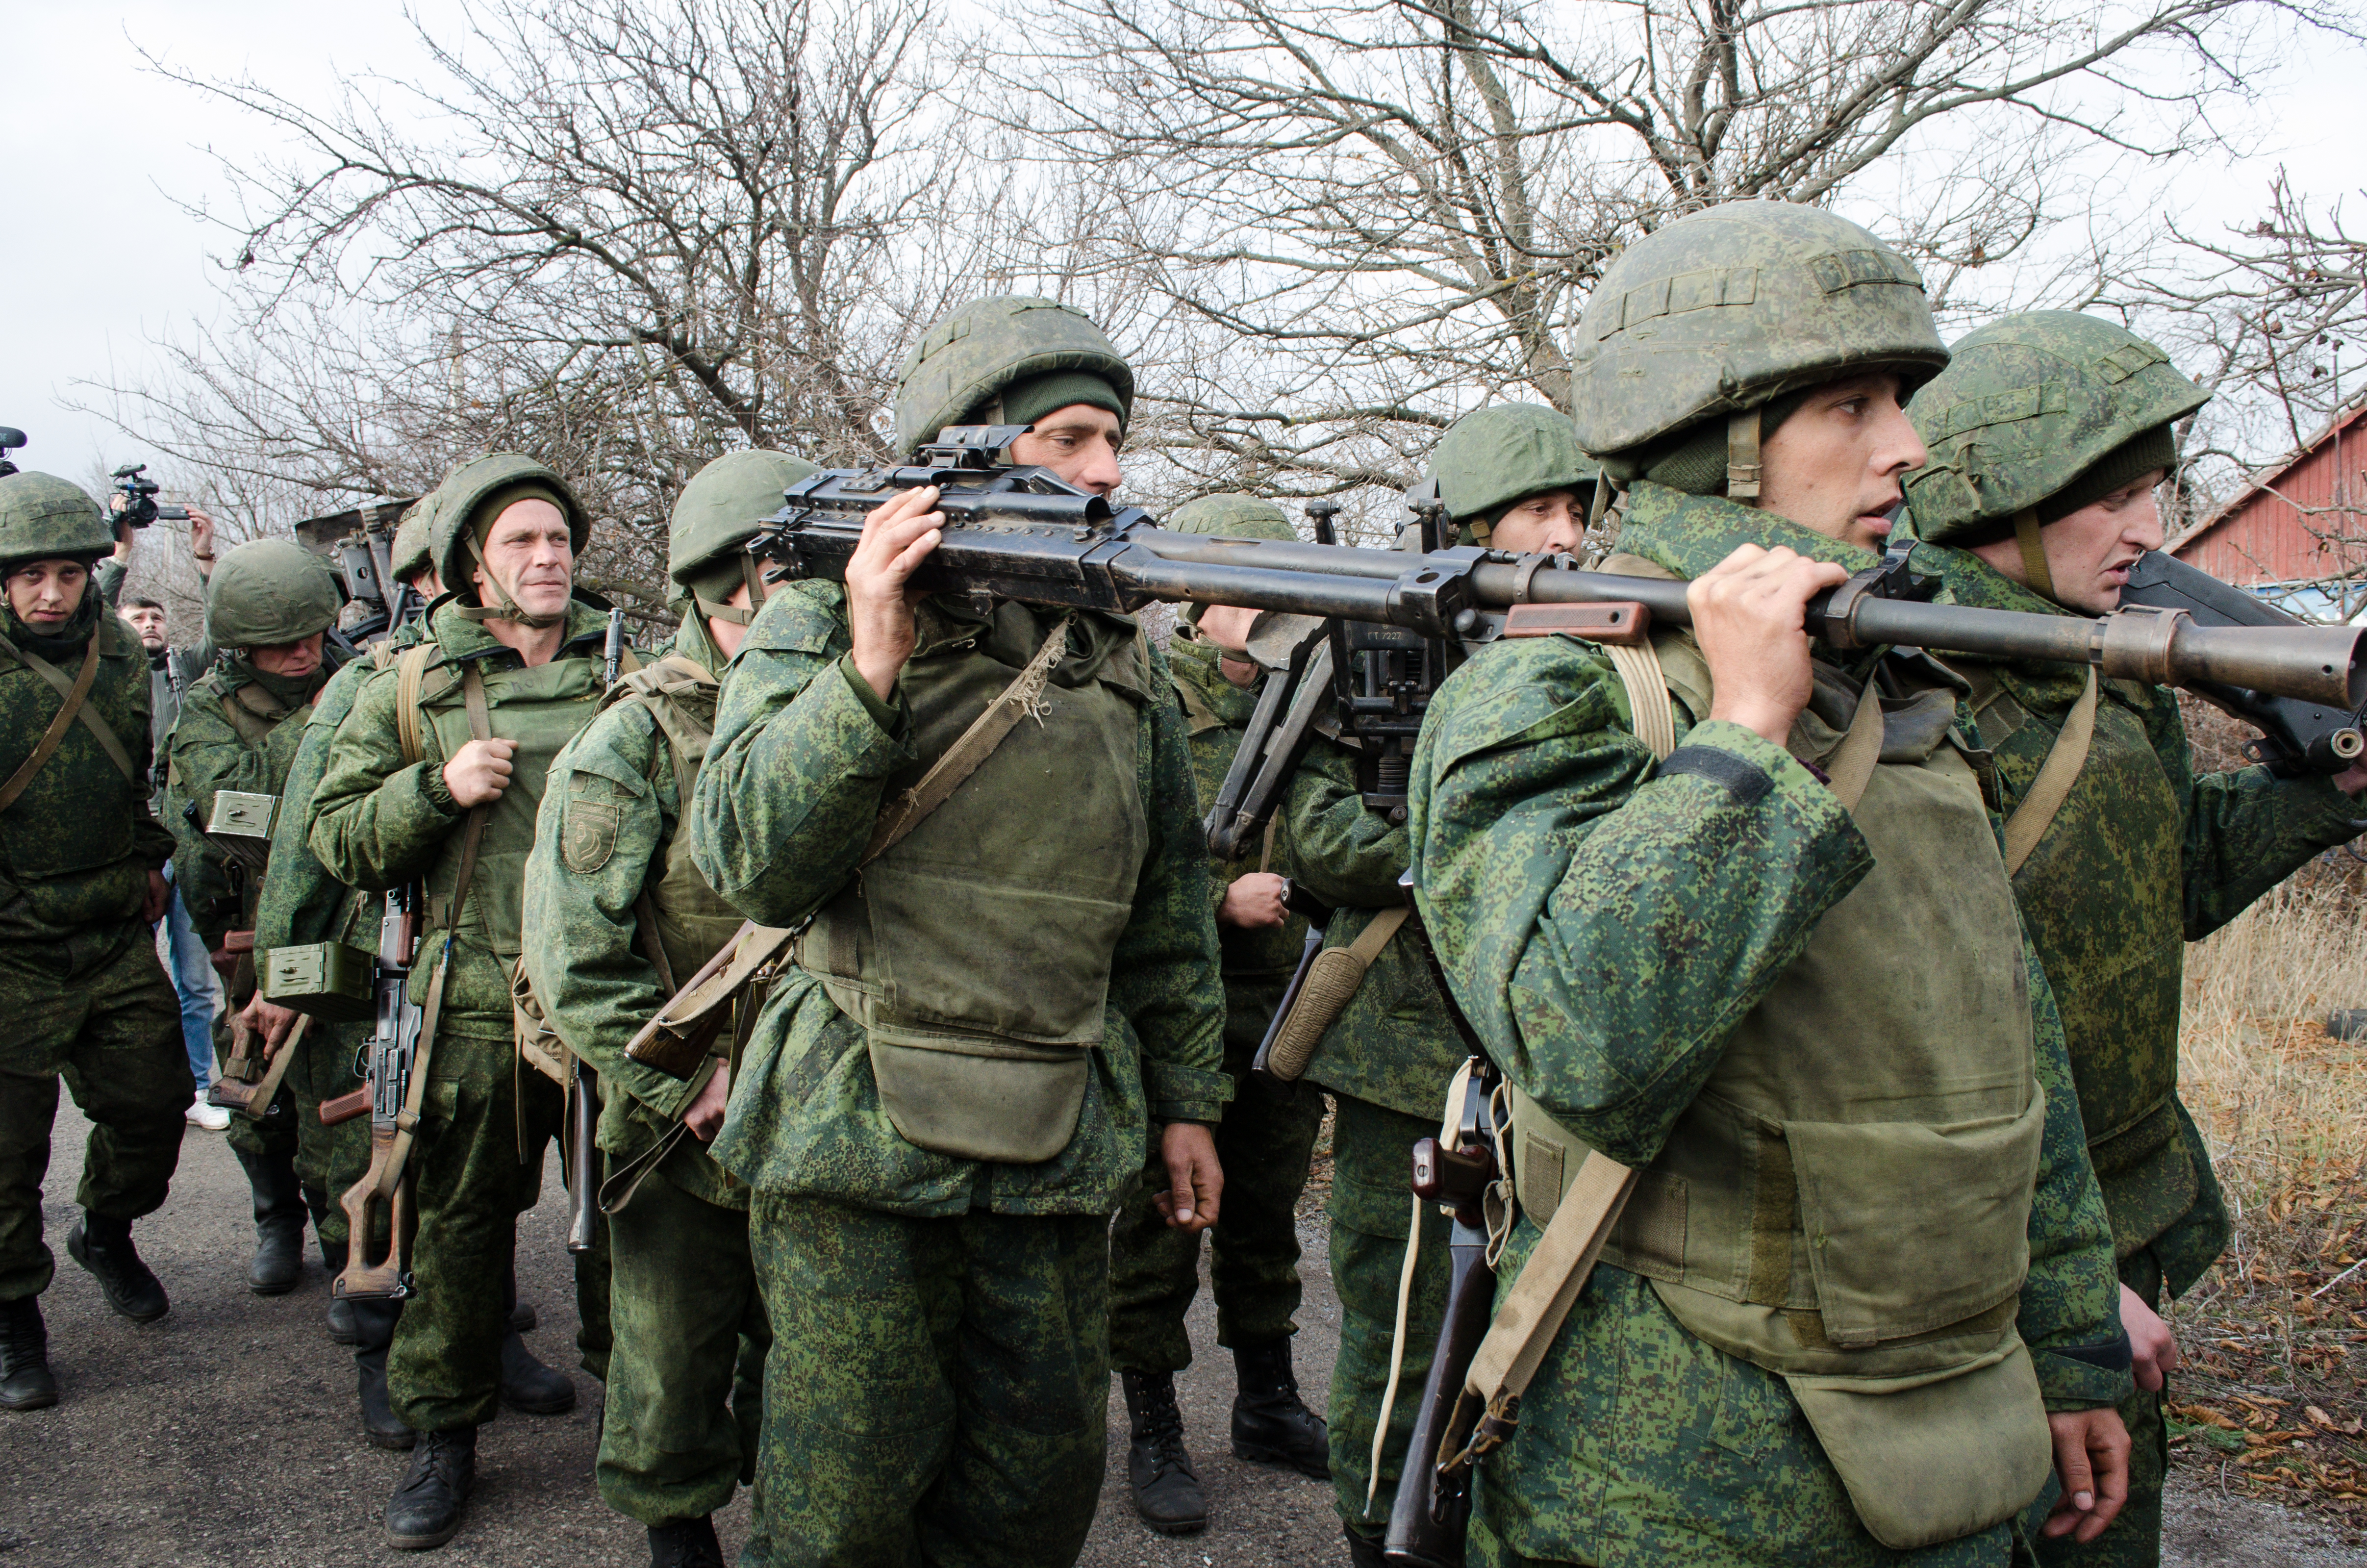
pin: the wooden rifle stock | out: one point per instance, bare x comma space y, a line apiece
247, 1094
386, 1277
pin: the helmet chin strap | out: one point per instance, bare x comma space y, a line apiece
2035, 576
1743, 457
504, 607
716, 609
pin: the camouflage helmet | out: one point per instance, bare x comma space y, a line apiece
472, 494
971, 356
1725, 309
716, 514
43, 518
269, 591
1503, 455
2030, 406
408, 556
1232, 514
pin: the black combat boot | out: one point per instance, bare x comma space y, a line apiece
1270, 1425
374, 1324
1363, 1550
1166, 1488
530, 1386
425, 1508
104, 1246
24, 1380
685, 1544
342, 1330
279, 1215
522, 1319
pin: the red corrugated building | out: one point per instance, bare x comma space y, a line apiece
2303, 520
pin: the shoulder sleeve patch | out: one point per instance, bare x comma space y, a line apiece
594, 814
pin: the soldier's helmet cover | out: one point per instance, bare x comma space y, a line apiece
1503, 454
43, 518
722, 507
1232, 514
410, 555
2031, 405
1725, 309
475, 493
962, 366
269, 591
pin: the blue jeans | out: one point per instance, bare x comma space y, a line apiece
193, 981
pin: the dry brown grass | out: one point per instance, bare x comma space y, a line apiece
2274, 1396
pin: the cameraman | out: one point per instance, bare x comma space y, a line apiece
116, 567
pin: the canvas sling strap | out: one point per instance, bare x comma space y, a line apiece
1531, 1313
410, 675
2065, 758
75, 693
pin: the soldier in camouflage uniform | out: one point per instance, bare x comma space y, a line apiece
511, 643
81, 885
1861, 1298
945, 1096
2048, 433
685, 1399
1267, 1135
268, 605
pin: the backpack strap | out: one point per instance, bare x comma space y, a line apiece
410, 678
51, 737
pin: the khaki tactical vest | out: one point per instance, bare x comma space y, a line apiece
976, 950
693, 921
1847, 1201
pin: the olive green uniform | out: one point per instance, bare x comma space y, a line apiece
381, 820
86, 998
684, 1405
939, 1369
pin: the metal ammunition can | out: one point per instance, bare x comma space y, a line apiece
333, 982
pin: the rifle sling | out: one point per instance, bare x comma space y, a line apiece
2065, 758
406, 1121
625, 1179
55, 734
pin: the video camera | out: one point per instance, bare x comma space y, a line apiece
10, 440
139, 493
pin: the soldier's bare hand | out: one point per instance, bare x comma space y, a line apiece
480, 771
1195, 1183
704, 1116
159, 898
271, 1021
1255, 901
1749, 616
896, 539
2091, 1458
2153, 1349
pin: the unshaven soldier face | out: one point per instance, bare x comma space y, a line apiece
530, 553
1080, 443
149, 621
45, 594
294, 660
2089, 552
1834, 465
1541, 524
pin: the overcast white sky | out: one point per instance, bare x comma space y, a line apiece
99, 258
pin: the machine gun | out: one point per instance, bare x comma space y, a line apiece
358, 544
1021, 532
10, 440
2297, 736
139, 493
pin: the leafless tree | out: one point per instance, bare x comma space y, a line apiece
1382, 212
623, 235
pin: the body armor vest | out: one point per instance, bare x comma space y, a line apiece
693, 921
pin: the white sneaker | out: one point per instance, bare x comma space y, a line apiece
212, 1117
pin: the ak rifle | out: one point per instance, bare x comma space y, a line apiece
1020, 533
392, 1057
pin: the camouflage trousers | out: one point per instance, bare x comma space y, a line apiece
1639, 1443
1264, 1144
96, 1011
476, 1167
685, 1381
937, 1391
1371, 1214
2134, 1538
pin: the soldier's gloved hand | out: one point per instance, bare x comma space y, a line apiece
896, 539
1254, 901
271, 1021
1195, 1183
2091, 1456
478, 771
704, 1116
160, 896
2153, 1349
1750, 617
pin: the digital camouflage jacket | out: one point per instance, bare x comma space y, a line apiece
585, 949
802, 757
77, 845
379, 820
2142, 857
1607, 927
214, 749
